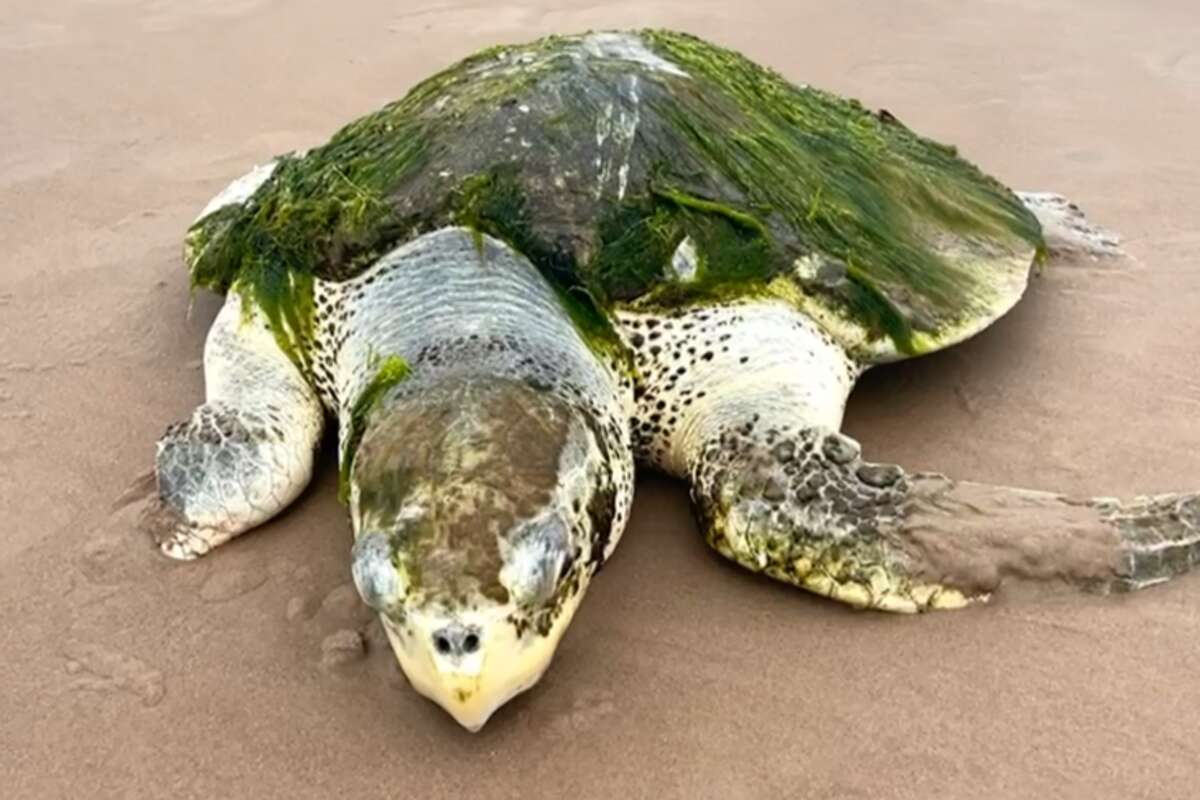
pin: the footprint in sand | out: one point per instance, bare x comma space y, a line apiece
340, 607
122, 550
344, 604
119, 547
589, 707
301, 607
383, 662
342, 648
229, 582
304, 605
118, 550
99, 669
16, 366
343, 621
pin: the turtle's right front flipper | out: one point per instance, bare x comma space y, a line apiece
247, 452
753, 424
803, 507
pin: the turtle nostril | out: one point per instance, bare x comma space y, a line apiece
456, 640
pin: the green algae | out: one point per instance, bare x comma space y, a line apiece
684, 200
636, 242
851, 184
757, 172
389, 372
325, 208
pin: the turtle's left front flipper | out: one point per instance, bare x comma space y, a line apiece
803, 507
247, 452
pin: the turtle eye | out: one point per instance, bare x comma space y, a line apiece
564, 567
537, 560
374, 571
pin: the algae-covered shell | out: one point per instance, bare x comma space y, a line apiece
649, 170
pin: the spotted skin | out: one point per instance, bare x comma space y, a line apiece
789, 497
745, 401
700, 368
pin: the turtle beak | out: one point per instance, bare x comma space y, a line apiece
458, 658
468, 667
462, 695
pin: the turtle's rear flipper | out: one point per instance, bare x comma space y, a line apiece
1065, 228
1160, 538
969, 532
804, 508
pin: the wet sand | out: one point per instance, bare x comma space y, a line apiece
125, 675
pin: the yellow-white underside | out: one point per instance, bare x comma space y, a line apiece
505, 666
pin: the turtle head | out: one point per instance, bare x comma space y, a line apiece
480, 511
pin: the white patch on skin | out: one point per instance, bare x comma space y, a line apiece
627, 126
241, 189
619, 126
603, 131
806, 267
506, 64
685, 262
628, 47
609, 45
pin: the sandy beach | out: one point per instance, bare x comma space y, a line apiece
127, 675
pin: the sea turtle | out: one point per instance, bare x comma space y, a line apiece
554, 259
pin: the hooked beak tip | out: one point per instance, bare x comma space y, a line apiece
472, 727
469, 716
